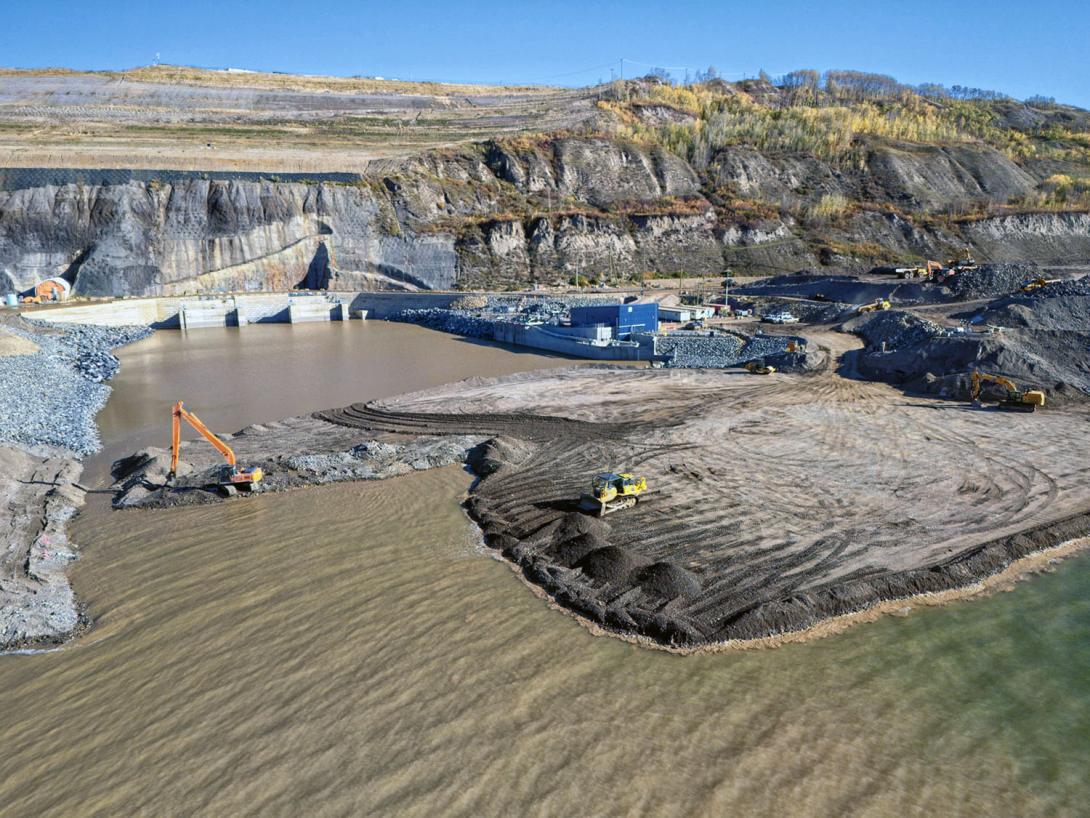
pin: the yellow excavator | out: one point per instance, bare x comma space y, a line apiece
1016, 400
611, 491
1038, 283
234, 479
757, 368
877, 304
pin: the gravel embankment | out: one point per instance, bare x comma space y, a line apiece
476, 316
52, 396
706, 350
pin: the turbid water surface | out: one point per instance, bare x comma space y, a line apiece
353, 650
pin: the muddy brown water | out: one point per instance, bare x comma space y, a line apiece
353, 650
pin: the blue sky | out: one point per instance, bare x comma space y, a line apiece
1021, 48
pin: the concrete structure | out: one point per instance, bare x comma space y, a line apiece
561, 340
677, 314
213, 311
198, 314
623, 318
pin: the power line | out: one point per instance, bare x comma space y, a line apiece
573, 73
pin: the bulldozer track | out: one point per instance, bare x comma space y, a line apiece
788, 499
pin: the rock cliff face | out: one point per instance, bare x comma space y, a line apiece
505, 214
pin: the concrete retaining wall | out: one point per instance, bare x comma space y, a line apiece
541, 338
232, 310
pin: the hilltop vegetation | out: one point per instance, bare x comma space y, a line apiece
830, 117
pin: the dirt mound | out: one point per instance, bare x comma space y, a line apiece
573, 524
495, 453
571, 551
986, 281
668, 581
611, 564
895, 329
989, 280
1063, 306
1030, 340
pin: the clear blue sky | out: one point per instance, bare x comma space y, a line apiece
1021, 47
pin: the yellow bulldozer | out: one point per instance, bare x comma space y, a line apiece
760, 368
612, 491
877, 304
1016, 399
1038, 283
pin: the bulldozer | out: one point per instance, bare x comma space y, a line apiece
1016, 400
612, 491
1038, 283
233, 479
877, 304
760, 368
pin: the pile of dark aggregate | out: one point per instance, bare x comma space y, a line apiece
1039, 341
456, 322
476, 316
712, 350
51, 397
989, 280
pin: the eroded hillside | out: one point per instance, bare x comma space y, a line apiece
529, 185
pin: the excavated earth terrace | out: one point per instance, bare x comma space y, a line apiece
775, 503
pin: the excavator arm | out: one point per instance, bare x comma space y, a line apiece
1016, 399
980, 377
178, 414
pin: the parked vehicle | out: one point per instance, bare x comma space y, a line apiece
782, 317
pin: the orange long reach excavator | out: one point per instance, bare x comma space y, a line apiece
235, 479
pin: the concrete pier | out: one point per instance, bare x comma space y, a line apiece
198, 314
305, 310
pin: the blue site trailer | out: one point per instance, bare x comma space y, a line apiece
624, 318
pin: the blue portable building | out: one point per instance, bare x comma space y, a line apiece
624, 318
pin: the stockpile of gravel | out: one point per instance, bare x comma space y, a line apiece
611, 564
990, 280
699, 350
52, 396
707, 350
896, 329
455, 322
1063, 306
476, 316
668, 581
765, 346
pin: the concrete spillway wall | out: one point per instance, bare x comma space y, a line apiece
540, 337
187, 312
242, 308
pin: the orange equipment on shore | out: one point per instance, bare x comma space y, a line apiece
235, 479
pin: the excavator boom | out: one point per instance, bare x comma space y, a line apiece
180, 413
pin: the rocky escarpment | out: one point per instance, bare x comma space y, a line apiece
510, 213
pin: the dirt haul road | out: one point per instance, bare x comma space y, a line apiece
777, 502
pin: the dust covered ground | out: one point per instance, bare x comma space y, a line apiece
775, 502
